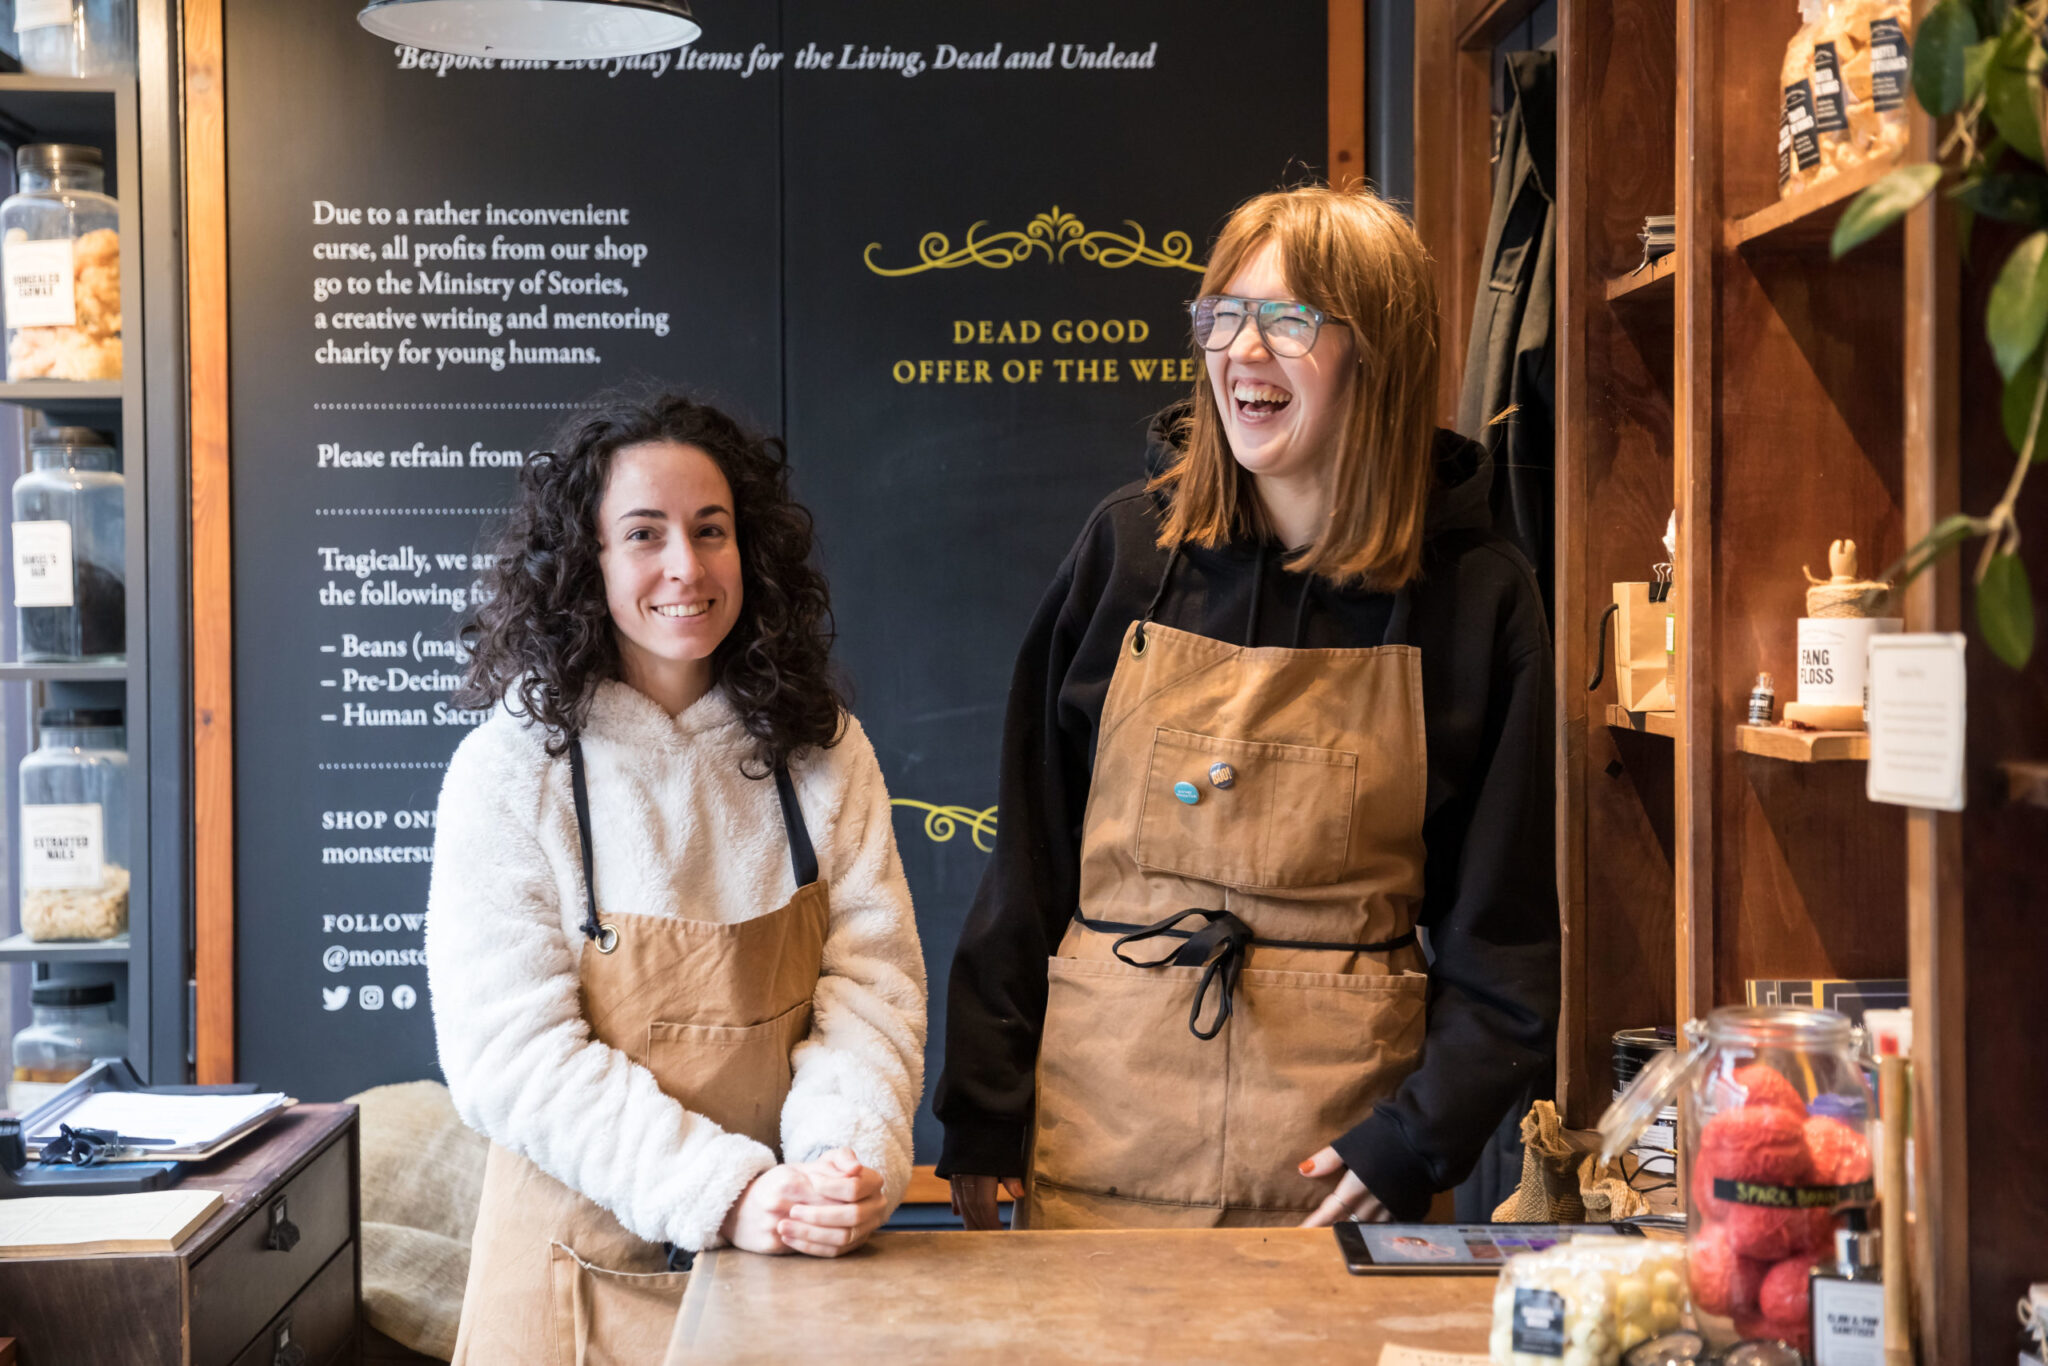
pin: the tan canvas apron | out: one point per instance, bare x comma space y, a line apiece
1241, 983
712, 1010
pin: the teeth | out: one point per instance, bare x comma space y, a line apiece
684, 609
1249, 391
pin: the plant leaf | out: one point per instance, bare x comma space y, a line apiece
2009, 197
2009, 90
2017, 408
1884, 204
1976, 61
2005, 610
2017, 313
1945, 31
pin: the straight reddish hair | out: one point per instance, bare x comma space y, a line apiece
1355, 257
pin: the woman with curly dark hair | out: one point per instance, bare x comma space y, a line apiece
644, 994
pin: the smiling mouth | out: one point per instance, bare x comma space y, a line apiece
682, 609
1255, 400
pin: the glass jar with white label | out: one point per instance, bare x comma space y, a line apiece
76, 37
60, 258
72, 1026
69, 538
74, 827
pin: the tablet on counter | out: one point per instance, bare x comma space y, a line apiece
1453, 1249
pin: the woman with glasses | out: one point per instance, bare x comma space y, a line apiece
676, 980
1287, 704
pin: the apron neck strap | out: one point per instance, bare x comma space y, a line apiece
579, 790
1251, 621
803, 857
1397, 618
1158, 596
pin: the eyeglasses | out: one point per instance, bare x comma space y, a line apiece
1286, 327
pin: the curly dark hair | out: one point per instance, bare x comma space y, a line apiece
544, 634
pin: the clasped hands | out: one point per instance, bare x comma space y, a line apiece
974, 1197
823, 1208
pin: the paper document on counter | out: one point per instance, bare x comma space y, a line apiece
166, 1126
77, 1225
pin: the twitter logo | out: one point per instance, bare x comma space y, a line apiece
333, 998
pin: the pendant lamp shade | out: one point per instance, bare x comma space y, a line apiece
533, 30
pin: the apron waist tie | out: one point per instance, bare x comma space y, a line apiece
1219, 948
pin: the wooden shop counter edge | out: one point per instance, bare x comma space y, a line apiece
236, 1286
1210, 1295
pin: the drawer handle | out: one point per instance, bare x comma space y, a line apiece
284, 1234
285, 1352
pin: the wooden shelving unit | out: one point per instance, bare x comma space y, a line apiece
1802, 746
1664, 723
1804, 221
2026, 784
1646, 285
1777, 400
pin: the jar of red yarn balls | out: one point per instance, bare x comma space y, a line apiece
1774, 1147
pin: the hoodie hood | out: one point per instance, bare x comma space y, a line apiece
1459, 497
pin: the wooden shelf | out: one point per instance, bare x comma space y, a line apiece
1805, 221
63, 673
22, 949
1803, 746
1649, 285
1664, 723
2026, 783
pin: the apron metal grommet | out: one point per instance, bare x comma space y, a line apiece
1222, 775
1187, 792
607, 938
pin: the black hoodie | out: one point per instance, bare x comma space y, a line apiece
1489, 908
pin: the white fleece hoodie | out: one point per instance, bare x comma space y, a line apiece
677, 829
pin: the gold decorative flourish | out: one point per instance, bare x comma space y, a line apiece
941, 823
1052, 235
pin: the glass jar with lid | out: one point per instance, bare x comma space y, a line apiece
76, 37
74, 827
60, 255
1774, 1148
70, 549
73, 1024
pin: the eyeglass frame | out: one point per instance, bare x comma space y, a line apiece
1258, 316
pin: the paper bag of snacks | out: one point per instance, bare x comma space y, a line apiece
1800, 165
1586, 1302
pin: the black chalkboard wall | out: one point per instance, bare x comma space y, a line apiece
942, 249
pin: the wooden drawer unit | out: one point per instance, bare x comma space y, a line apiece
262, 1262
278, 1258
317, 1327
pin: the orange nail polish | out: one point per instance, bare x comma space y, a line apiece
1307, 1167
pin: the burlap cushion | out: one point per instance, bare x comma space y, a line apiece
423, 1175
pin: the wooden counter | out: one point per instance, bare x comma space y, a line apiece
1221, 1295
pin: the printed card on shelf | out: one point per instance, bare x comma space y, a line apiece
1917, 721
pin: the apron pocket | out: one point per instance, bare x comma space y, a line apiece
1310, 1055
1285, 820
603, 1317
1129, 1103
737, 1076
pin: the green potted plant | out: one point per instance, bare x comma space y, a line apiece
1979, 63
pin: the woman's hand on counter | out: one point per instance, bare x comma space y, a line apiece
974, 1199
751, 1223
1351, 1200
846, 1205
